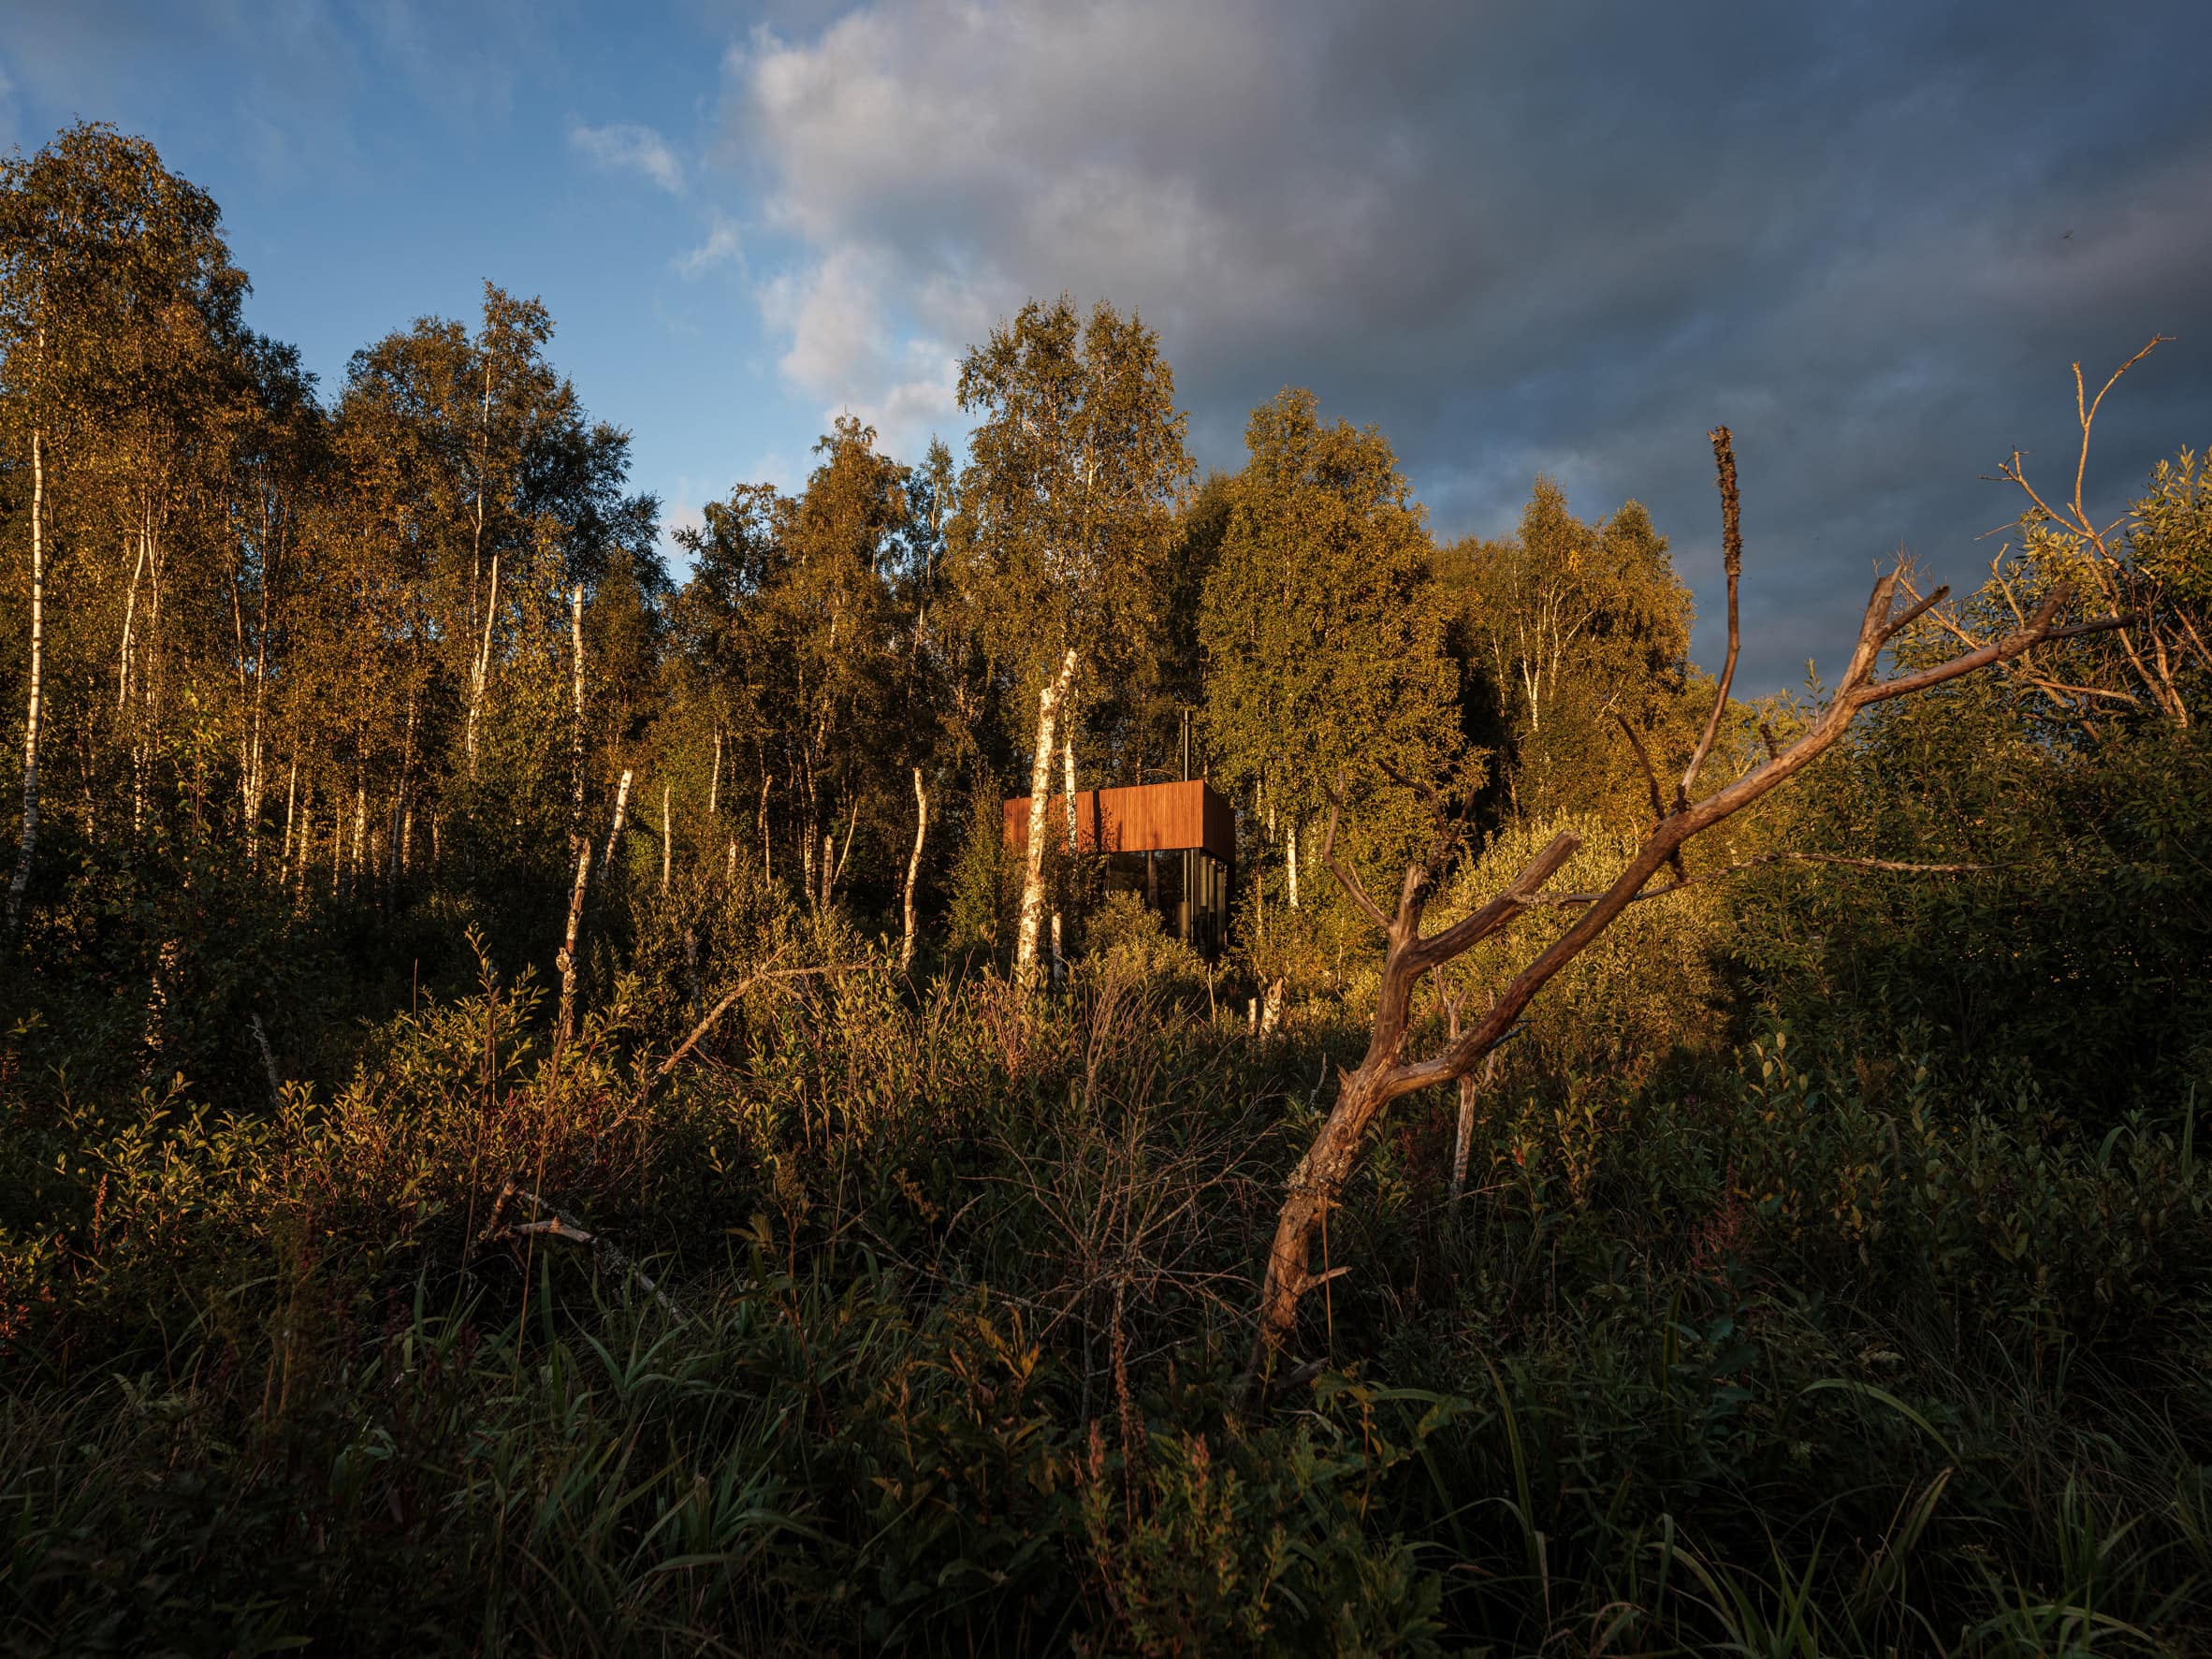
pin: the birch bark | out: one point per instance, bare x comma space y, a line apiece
615, 835
906, 943
33, 719
1041, 781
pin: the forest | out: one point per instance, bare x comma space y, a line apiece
541, 1109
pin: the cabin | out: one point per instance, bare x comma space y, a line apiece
1173, 843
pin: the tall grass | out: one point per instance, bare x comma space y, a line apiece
1776, 1352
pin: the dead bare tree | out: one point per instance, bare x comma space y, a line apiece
1385, 1072
2156, 643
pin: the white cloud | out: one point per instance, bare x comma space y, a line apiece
842, 318
939, 161
1510, 239
623, 148
722, 246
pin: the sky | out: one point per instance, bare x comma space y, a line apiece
1518, 238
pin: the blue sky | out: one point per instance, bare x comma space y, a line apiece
377, 163
1565, 237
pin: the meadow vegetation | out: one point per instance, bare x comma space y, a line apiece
398, 1253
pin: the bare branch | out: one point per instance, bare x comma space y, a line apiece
729, 1001
1565, 900
1724, 455
1913, 612
1345, 878
1643, 759
1384, 1074
1524, 890
2088, 416
559, 1224
2012, 645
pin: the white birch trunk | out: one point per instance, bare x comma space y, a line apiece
482, 668
361, 824
714, 783
575, 744
476, 547
1068, 779
667, 836
130, 616
906, 943
302, 850
1031, 923
615, 835
566, 960
1292, 844
34, 715
291, 802
767, 865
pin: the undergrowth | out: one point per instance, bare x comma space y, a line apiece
1783, 1351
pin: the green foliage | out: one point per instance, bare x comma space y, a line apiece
1065, 523
1322, 629
1565, 631
1784, 1340
2079, 951
1835, 1272
980, 917
1124, 935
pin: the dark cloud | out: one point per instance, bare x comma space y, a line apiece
1870, 238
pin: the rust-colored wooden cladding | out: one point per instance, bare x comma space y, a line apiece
1147, 818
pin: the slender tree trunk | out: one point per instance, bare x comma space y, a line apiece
1464, 1136
403, 799
906, 943
714, 783
1290, 846
36, 715
566, 961
576, 738
1068, 776
361, 824
391, 849
492, 604
834, 873
253, 784
767, 865
482, 669
291, 802
303, 845
130, 616
1031, 923
667, 836
614, 837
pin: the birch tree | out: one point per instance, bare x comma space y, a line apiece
1077, 464
118, 314
1569, 631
